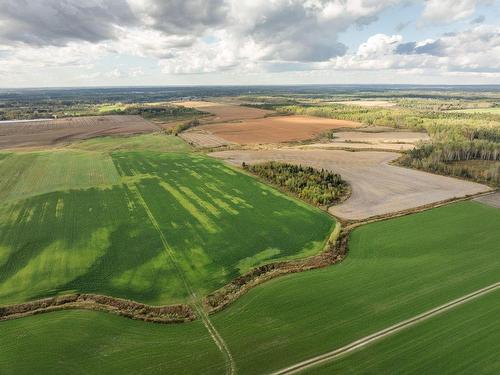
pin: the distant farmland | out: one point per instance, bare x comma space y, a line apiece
97, 225
51, 132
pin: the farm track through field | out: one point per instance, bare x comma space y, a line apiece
197, 303
361, 343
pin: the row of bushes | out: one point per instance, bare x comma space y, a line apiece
319, 187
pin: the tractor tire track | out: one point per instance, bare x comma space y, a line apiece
216, 337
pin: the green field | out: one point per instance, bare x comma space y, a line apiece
395, 269
124, 224
144, 142
464, 340
85, 342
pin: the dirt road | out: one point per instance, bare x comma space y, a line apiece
330, 356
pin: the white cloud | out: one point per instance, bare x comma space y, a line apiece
446, 11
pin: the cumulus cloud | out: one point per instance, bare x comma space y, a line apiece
476, 50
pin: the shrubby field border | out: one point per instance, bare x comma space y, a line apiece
335, 251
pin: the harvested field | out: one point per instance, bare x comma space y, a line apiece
492, 200
50, 132
226, 112
377, 187
276, 129
201, 138
396, 141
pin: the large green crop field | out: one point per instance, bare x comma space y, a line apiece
464, 340
87, 342
124, 224
395, 269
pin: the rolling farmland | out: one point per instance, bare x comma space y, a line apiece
382, 281
98, 225
110, 213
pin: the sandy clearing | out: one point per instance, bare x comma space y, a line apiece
200, 138
367, 103
50, 132
276, 129
396, 147
225, 112
397, 141
492, 200
377, 187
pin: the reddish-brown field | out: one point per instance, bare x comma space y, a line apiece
226, 112
52, 132
276, 129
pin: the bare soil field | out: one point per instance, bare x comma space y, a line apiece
368, 103
276, 129
377, 187
201, 138
492, 200
51, 132
225, 112
392, 140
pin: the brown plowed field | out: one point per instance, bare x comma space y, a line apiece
276, 129
225, 112
52, 132
377, 187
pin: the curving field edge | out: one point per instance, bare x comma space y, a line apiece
335, 251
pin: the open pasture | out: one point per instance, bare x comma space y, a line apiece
223, 112
464, 340
276, 129
52, 132
377, 187
395, 269
136, 225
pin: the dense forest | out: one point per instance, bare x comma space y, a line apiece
319, 187
478, 159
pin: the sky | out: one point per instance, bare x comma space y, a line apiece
57, 43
